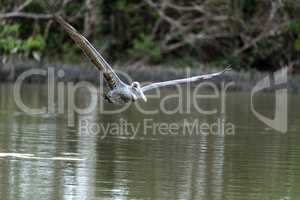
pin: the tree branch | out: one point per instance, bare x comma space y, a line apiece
267, 30
22, 6
25, 15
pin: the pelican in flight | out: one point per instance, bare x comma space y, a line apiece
120, 92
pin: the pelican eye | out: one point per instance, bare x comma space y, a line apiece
135, 85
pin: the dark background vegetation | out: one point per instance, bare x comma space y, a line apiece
261, 34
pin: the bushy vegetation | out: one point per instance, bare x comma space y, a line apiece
243, 33
11, 42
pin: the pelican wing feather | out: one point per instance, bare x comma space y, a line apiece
96, 58
181, 81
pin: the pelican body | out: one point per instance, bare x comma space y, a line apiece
120, 92
125, 93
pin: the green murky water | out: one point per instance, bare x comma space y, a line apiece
41, 157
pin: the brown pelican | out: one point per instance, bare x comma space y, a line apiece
120, 92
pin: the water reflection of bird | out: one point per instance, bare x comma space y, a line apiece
120, 92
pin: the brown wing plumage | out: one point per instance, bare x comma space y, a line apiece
95, 57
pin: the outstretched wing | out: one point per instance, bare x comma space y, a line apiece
95, 57
180, 81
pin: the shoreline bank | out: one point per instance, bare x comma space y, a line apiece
244, 80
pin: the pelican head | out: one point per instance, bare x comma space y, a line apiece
137, 91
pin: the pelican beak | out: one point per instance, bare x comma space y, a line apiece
143, 96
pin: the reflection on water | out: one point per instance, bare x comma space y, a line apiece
32, 157
42, 158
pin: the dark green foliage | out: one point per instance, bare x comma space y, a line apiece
295, 28
9, 40
134, 30
12, 43
144, 45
